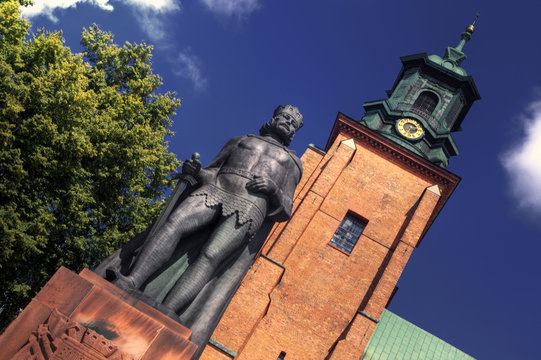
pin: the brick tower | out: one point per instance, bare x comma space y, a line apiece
364, 203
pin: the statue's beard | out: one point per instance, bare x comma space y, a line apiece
284, 138
270, 129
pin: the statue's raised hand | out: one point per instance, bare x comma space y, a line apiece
189, 167
192, 166
263, 185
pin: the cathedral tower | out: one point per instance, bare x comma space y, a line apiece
323, 279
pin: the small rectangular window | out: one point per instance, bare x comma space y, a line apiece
348, 233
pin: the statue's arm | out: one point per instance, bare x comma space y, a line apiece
281, 200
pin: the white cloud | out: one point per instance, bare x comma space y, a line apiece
232, 8
149, 15
147, 12
47, 7
151, 24
523, 162
156, 6
188, 65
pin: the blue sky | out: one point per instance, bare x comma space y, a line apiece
474, 281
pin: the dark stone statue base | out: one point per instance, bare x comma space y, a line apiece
87, 317
117, 279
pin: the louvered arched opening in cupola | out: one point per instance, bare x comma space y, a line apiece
426, 102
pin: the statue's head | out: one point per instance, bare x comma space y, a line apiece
286, 121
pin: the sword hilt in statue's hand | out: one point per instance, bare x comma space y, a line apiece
192, 166
190, 169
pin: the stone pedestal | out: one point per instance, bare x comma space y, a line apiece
84, 317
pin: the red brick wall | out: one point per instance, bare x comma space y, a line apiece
309, 299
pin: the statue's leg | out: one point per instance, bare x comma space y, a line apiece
226, 238
191, 215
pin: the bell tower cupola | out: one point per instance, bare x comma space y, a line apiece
427, 103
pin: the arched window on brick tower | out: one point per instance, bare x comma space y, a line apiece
426, 103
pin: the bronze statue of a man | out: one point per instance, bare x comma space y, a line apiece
253, 178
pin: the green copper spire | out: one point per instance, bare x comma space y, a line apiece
427, 103
466, 35
454, 56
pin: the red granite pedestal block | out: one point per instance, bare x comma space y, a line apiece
85, 317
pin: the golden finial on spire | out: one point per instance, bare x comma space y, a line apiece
470, 28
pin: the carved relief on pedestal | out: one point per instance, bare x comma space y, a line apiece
61, 339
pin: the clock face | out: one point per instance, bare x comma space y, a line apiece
410, 129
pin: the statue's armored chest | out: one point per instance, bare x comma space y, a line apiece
261, 157
264, 150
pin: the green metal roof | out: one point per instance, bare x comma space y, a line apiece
397, 339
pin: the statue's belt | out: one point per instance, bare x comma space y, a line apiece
240, 172
245, 210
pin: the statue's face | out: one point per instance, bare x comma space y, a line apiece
285, 125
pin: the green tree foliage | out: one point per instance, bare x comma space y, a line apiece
83, 160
